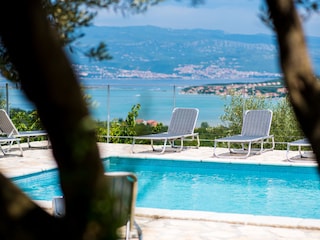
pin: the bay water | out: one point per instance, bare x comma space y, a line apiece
113, 99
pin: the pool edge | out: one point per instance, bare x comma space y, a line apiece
243, 219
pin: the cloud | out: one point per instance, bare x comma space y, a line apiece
238, 16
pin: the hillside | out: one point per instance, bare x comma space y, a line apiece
153, 52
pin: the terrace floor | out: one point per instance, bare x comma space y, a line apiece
173, 224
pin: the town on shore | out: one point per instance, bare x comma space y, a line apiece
272, 89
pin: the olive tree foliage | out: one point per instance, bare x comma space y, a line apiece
68, 18
121, 131
299, 76
124, 128
284, 125
234, 110
25, 120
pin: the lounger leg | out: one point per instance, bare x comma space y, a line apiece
138, 230
6, 152
288, 150
243, 150
232, 151
267, 149
2, 150
249, 150
261, 147
171, 142
10, 145
300, 151
28, 141
164, 146
214, 149
273, 144
198, 141
153, 149
21, 151
243, 147
132, 146
181, 145
128, 230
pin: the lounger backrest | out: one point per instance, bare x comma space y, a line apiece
6, 125
58, 206
256, 123
123, 188
183, 120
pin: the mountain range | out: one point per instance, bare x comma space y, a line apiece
153, 52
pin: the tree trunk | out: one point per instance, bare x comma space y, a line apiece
303, 86
50, 83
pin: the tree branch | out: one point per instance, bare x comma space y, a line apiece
303, 86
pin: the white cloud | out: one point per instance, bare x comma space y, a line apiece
237, 16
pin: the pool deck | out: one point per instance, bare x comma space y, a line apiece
175, 225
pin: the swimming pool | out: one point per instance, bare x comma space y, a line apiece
207, 186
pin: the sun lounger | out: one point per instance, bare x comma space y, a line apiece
182, 124
123, 187
8, 129
301, 143
255, 130
10, 140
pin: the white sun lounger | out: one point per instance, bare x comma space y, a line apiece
300, 143
123, 189
8, 129
10, 140
182, 125
255, 129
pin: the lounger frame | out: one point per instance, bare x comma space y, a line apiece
9, 141
123, 189
255, 130
182, 125
8, 129
300, 143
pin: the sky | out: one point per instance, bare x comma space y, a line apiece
231, 16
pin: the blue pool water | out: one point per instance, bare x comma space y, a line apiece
218, 187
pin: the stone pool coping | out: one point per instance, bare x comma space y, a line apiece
244, 219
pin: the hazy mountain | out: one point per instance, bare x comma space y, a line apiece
155, 52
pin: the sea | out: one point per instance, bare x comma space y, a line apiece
113, 99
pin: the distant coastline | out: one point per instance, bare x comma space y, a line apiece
273, 88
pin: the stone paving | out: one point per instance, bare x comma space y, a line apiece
175, 225
176, 229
